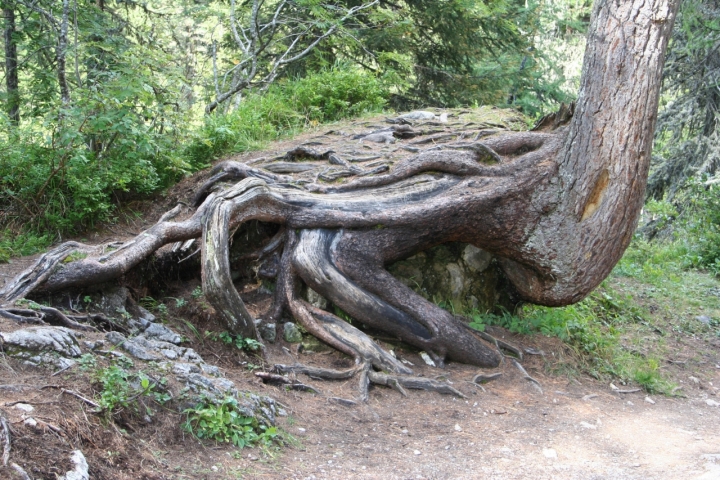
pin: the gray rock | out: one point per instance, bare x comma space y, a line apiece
291, 333
704, 319
311, 344
268, 331
211, 388
34, 340
418, 115
184, 369
476, 259
316, 300
80, 470
457, 280
382, 137
132, 347
157, 331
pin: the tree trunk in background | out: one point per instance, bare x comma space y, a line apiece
11, 65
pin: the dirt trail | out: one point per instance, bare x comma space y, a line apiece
573, 430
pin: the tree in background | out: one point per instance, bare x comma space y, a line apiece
688, 136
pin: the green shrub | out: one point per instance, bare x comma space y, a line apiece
285, 108
222, 422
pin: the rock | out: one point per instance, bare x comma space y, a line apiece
215, 388
291, 333
458, 428
549, 453
311, 344
476, 259
94, 345
316, 300
40, 346
455, 272
704, 319
132, 347
457, 280
157, 331
416, 452
24, 407
418, 115
80, 472
426, 358
650, 400
40, 339
268, 332
712, 403
588, 425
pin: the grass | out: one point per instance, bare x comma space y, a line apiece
630, 328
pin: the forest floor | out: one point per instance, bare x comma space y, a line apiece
573, 427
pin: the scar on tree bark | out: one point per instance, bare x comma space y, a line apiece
558, 208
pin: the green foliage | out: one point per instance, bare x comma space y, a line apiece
241, 343
687, 133
287, 107
222, 422
121, 389
592, 328
23, 243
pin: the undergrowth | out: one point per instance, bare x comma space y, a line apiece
222, 422
68, 174
593, 330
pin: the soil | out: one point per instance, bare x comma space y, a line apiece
573, 427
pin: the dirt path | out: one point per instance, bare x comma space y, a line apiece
574, 430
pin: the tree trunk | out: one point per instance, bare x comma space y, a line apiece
60, 55
557, 207
11, 65
591, 206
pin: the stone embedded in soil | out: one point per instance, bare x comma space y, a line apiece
43, 346
313, 345
291, 333
81, 470
549, 453
156, 331
132, 347
268, 332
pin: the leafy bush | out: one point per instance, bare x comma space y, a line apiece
67, 172
222, 422
122, 389
241, 343
284, 109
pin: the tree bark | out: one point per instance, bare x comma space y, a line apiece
557, 207
12, 84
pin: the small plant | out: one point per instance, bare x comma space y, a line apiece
241, 343
87, 362
197, 292
122, 389
179, 302
155, 306
222, 422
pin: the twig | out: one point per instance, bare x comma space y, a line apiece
5, 437
77, 395
20, 471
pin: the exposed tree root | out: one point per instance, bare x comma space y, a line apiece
556, 208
